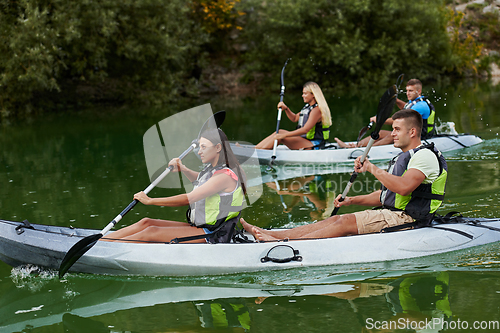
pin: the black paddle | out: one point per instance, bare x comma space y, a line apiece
363, 131
282, 93
385, 106
85, 244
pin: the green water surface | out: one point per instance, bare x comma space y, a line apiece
82, 169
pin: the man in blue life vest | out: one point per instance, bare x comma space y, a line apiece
416, 102
412, 190
422, 105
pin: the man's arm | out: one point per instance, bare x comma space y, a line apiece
372, 199
401, 104
402, 185
388, 121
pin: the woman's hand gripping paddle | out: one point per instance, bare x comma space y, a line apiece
85, 244
385, 106
282, 93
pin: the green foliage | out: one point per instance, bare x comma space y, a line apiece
348, 43
58, 52
487, 25
465, 49
216, 15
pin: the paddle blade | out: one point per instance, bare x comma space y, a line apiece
365, 129
76, 251
219, 118
385, 107
215, 121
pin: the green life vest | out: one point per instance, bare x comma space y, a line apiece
423, 202
319, 131
218, 208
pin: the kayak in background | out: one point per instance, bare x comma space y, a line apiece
334, 154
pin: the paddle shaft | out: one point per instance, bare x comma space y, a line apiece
282, 93
354, 175
385, 106
147, 190
275, 145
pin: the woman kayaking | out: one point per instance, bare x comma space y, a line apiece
314, 121
214, 203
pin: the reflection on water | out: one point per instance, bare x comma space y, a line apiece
354, 303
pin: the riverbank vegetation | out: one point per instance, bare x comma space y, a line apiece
60, 54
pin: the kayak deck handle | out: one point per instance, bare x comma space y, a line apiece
24, 225
281, 254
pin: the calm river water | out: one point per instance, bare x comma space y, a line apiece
81, 169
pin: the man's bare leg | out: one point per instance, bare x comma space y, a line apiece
342, 144
335, 226
289, 233
385, 138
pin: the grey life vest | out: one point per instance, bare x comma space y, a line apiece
423, 202
318, 132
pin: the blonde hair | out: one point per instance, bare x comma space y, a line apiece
326, 117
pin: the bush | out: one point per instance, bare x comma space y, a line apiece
56, 53
348, 43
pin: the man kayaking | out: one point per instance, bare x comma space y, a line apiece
416, 102
412, 190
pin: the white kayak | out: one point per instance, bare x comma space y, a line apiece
334, 154
45, 246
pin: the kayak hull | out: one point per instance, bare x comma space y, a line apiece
46, 246
333, 154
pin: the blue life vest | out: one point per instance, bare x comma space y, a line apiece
429, 126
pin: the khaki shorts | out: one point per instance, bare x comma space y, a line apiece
369, 221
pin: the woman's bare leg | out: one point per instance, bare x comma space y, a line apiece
142, 225
165, 234
294, 142
297, 142
268, 142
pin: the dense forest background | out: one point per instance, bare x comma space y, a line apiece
61, 54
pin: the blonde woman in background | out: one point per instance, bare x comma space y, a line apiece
314, 121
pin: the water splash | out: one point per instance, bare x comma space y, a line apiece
446, 127
32, 277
